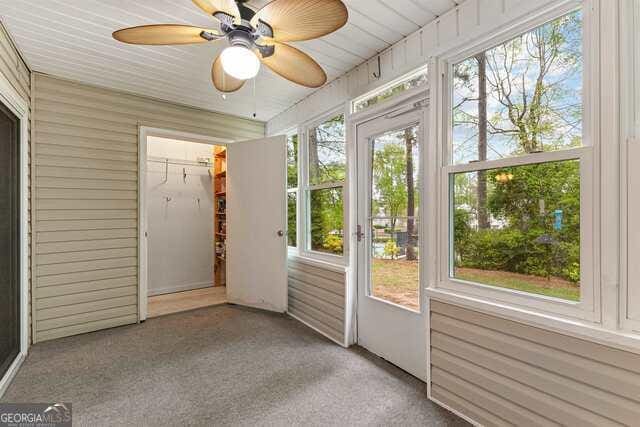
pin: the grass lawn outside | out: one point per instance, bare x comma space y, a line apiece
552, 287
397, 281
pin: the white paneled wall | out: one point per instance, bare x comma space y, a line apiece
179, 216
458, 27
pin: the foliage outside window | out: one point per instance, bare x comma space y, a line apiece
395, 205
292, 189
326, 165
517, 226
406, 83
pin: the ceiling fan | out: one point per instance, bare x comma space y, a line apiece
254, 38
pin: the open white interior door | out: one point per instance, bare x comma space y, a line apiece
256, 224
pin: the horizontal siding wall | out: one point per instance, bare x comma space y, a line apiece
460, 26
500, 372
317, 298
86, 199
16, 72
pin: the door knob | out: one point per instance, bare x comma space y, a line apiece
280, 233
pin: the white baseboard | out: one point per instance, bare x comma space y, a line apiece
179, 288
11, 373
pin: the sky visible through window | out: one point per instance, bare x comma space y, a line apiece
533, 94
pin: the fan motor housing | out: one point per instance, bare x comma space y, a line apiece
241, 37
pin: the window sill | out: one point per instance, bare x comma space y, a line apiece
576, 328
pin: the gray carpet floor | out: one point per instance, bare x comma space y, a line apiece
222, 365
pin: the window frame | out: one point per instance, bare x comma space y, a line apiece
423, 70
296, 190
588, 308
304, 211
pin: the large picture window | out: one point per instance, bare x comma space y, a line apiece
326, 162
515, 159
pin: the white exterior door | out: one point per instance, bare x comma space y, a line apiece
256, 224
391, 307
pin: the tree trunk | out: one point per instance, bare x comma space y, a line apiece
483, 215
411, 198
314, 161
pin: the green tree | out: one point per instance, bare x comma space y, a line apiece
389, 182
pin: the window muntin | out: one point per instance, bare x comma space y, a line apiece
522, 96
404, 84
395, 206
327, 156
523, 233
326, 213
470, 167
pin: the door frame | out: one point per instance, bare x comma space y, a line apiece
20, 107
143, 133
397, 104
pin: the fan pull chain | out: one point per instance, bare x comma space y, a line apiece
255, 99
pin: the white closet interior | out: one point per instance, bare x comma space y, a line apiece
180, 215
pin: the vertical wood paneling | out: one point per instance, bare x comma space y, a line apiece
86, 199
317, 298
522, 375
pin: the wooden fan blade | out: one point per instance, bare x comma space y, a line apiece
162, 34
294, 65
212, 6
295, 20
223, 81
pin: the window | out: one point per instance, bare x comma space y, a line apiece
292, 189
394, 216
413, 80
326, 162
516, 155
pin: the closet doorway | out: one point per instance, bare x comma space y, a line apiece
183, 241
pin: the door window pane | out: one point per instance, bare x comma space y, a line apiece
395, 202
292, 161
326, 220
327, 152
292, 197
522, 96
519, 228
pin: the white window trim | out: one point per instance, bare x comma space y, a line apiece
630, 134
405, 77
304, 247
588, 308
20, 107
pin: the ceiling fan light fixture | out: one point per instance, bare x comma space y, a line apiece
240, 63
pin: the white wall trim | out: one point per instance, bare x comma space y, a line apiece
20, 107
143, 252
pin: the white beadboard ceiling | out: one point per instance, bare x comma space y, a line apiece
72, 39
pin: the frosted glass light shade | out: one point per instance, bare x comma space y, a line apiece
240, 62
